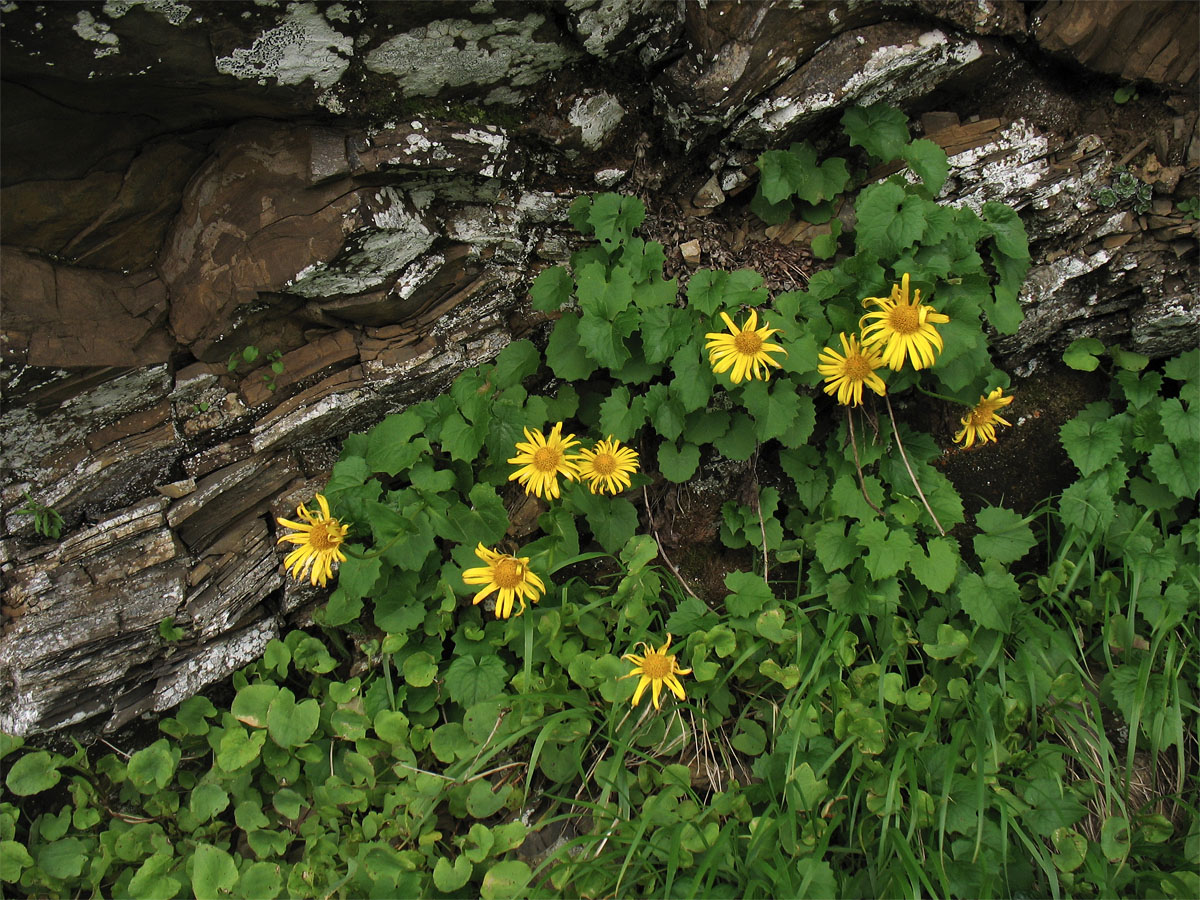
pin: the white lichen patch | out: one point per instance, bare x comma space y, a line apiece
98, 33
601, 23
1012, 165
892, 73
1045, 281
371, 256
596, 116
607, 178
175, 13
303, 46
457, 52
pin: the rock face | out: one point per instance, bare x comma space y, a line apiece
234, 233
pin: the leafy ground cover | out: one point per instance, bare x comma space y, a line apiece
885, 697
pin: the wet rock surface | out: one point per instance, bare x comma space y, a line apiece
362, 192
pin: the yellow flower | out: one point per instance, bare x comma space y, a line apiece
980, 423
904, 329
507, 574
543, 460
745, 349
609, 466
656, 668
847, 374
319, 537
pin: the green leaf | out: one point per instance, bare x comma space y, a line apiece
1181, 426
551, 289
1115, 838
213, 871
1081, 354
664, 330
771, 213
643, 259
388, 447
517, 361
889, 219
63, 859
834, 549
824, 246
887, 551
1007, 229
207, 800
449, 878
251, 703
1005, 313
1179, 473
774, 411
237, 748
749, 593
420, 669
604, 337
1088, 503
564, 353
152, 767
261, 880
880, 129
33, 773
289, 723
738, 442
506, 879
1006, 538
795, 172
950, 643
471, 681
937, 568
613, 520
1091, 444
614, 217
929, 161
14, 859
991, 600
693, 382
678, 465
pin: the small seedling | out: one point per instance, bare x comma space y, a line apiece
1125, 93
46, 521
248, 355
169, 631
276, 360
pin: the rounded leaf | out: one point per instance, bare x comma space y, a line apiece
505, 879
33, 773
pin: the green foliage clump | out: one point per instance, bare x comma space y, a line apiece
873, 707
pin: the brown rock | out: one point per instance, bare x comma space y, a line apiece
1150, 39
57, 315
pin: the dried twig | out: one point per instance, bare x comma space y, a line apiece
911, 474
857, 464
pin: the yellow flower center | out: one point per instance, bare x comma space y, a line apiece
604, 464
325, 535
980, 416
904, 319
747, 343
508, 573
856, 367
547, 459
657, 665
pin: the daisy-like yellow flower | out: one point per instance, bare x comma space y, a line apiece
980, 423
608, 466
745, 349
905, 329
657, 668
507, 574
542, 460
848, 371
320, 537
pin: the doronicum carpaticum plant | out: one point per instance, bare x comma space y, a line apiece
865, 708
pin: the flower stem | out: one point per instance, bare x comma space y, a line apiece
862, 484
938, 396
911, 474
375, 554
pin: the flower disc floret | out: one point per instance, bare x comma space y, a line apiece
607, 466
656, 668
746, 349
319, 538
903, 329
980, 423
542, 460
847, 372
507, 574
